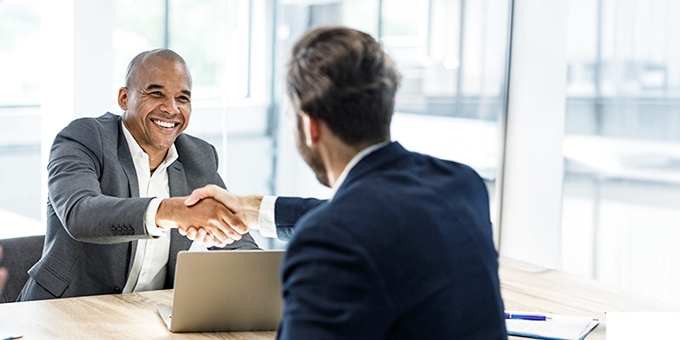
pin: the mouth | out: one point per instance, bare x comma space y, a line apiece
164, 124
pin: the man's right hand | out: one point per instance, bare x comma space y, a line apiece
208, 214
246, 208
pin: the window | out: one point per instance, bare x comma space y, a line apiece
20, 54
451, 55
622, 145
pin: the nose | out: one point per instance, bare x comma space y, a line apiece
170, 106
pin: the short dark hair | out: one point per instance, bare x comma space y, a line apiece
343, 77
163, 53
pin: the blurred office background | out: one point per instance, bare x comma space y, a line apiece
582, 166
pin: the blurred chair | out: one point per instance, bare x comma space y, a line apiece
18, 256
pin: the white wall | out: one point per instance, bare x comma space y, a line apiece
531, 192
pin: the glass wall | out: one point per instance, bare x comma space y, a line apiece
452, 56
20, 58
621, 202
228, 111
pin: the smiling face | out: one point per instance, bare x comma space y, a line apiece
157, 103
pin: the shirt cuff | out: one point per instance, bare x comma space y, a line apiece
266, 217
150, 218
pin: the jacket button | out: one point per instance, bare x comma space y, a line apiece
116, 289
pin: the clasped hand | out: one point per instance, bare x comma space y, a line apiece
210, 215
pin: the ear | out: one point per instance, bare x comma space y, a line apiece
123, 98
312, 129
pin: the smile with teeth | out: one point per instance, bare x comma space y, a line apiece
162, 124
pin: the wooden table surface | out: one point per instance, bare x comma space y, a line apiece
531, 288
134, 316
116, 316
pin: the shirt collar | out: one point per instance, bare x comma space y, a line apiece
358, 157
137, 152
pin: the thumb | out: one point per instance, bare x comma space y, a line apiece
198, 195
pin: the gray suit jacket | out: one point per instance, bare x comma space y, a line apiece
94, 214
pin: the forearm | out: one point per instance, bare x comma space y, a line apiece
104, 219
288, 211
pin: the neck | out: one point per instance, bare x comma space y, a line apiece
156, 156
336, 157
155, 159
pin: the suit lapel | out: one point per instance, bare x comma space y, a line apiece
126, 162
128, 165
177, 181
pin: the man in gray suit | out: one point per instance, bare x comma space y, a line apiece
114, 185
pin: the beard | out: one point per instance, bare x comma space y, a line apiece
311, 157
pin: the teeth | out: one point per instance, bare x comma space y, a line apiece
163, 124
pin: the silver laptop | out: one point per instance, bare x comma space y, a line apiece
216, 291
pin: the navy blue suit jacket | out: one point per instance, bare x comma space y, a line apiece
403, 251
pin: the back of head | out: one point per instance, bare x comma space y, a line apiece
343, 77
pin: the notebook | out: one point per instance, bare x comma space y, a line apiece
225, 291
556, 327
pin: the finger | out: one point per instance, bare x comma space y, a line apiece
191, 233
200, 234
235, 223
218, 231
182, 231
201, 193
231, 233
220, 244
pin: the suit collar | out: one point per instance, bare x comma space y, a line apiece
352, 163
374, 160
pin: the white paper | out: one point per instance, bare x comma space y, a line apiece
560, 327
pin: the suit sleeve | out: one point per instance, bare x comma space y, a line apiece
74, 170
288, 210
331, 289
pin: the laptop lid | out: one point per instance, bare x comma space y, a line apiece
236, 290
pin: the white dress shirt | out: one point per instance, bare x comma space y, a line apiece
151, 257
268, 204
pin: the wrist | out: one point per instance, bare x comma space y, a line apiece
251, 211
166, 210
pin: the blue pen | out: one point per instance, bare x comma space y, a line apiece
533, 317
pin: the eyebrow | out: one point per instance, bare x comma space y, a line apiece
157, 87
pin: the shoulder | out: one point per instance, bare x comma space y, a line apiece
87, 125
96, 134
440, 174
437, 164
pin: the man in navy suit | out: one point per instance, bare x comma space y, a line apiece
403, 249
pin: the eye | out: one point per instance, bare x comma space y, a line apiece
157, 93
183, 99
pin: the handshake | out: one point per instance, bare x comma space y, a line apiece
210, 215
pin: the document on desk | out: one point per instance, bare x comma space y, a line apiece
555, 327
